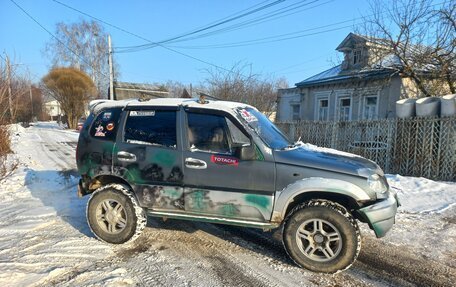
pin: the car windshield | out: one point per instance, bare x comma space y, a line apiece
265, 129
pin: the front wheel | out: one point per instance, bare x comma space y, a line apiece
322, 236
114, 216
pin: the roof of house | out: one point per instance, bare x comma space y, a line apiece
136, 86
384, 67
335, 74
124, 90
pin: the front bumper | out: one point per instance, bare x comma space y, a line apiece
381, 215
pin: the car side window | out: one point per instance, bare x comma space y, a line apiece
214, 133
151, 127
105, 125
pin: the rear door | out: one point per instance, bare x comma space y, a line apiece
217, 183
148, 156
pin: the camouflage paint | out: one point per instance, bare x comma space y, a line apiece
199, 200
228, 204
260, 201
229, 209
133, 175
165, 158
160, 197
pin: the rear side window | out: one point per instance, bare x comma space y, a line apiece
151, 127
105, 125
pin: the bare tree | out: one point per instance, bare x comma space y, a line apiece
421, 36
83, 45
18, 84
72, 89
246, 87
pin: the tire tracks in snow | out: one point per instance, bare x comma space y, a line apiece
400, 266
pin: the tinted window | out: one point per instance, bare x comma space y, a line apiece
105, 125
152, 127
207, 133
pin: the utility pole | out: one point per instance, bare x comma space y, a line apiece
8, 81
111, 71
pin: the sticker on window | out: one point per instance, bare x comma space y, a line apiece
107, 116
224, 160
99, 131
110, 126
142, 113
248, 117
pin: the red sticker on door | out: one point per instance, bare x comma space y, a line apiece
225, 160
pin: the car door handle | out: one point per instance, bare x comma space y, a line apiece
126, 156
195, 163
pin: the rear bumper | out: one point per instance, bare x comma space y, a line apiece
381, 215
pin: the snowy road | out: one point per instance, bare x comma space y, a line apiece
45, 240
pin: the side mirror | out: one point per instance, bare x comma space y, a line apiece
246, 152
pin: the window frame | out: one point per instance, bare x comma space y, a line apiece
232, 118
357, 57
126, 113
318, 99
364, 106
293, 105
338, 106
119, 124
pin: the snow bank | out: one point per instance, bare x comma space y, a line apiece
421, 195
16, 128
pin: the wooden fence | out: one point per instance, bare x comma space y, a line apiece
416, 147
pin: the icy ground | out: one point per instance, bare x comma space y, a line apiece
45, 240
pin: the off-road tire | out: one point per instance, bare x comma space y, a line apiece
134, 216
334, 216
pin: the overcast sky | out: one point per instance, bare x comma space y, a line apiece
254, 39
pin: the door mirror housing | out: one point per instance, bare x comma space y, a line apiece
246, 152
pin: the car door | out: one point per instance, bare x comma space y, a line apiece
147, 155
217, 183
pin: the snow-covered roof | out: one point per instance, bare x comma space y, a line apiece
336, 74
217, 105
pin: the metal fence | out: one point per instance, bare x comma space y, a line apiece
416, 147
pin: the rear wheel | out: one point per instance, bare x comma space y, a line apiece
322, 236
114, 216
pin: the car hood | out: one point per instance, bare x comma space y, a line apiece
327, 159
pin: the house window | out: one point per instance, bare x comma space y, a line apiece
356, 57
370, 107
344, 109
323, 109
295, 111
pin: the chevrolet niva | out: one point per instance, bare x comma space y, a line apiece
225, 162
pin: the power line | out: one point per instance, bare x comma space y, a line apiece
53, 36
280, 13
141, 37
222, 22
265, 40
237, 26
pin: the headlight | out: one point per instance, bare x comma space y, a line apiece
377, 184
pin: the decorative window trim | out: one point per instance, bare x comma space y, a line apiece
340, 97
363, 105
319, 98
358, 57
292, 105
